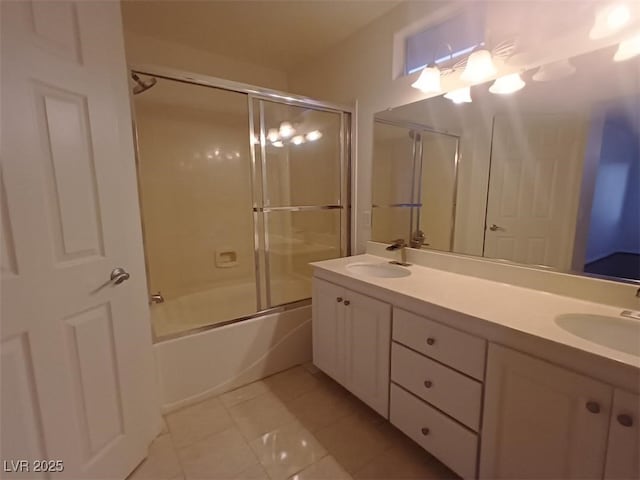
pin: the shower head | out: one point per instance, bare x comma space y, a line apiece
142, 85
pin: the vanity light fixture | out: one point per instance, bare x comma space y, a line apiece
314, 135
277, 144
554, 71
297, 140
628, 48
507, 84
479, 67
429, 80
461, 95
273, 135
609, 20
286, 130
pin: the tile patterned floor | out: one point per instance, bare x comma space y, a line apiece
298, 425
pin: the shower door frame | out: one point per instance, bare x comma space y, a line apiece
253, 93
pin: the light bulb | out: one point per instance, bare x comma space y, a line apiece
286, 130
314, 135
429, 80
507, 84
297, 140
479, 67
554, 71
609, 20
628, 48
273, 135
461, 95
278, 144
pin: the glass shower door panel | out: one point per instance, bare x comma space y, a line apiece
295, 238
195, 185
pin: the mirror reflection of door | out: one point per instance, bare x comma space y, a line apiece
534, 188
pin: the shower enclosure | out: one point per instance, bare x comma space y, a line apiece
240, 189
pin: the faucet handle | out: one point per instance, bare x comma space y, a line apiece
401, 242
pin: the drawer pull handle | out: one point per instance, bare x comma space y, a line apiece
431, 341
428, 383
347, 302
625, 420
339, 299
425, 431
593, 407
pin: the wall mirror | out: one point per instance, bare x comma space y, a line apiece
548, 175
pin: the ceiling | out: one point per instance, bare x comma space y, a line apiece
276, 34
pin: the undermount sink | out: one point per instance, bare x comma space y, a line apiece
384, 270
621, 334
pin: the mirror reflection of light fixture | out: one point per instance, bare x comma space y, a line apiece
429, 80
314, 135
273, 135
609, 20
628, 48
507, 84
286, 130
278, 144
461, 95
554, 71
297, 140
479, 67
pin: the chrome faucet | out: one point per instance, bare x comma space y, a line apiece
156, 298
401, 245
418, 239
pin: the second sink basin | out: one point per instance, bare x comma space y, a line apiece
621, 334
385, 270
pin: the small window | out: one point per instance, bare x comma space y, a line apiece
445, 42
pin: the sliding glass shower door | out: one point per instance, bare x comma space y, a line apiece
238, 194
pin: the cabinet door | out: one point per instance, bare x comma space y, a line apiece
367, 344
623, 451
328, 328
541, 421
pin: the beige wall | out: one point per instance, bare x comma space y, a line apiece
144, 50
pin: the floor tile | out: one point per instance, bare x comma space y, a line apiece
243, 394
161, 463
223, 455
324, 469
260, 415
405, 460
355, 441
287, 450
321, 407
198, 421
291, 383
311, 368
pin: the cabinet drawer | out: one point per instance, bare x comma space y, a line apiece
447, 440
450, 391
452, 347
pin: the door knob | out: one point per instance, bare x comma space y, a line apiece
119, 275
495, 227
425, 431
339, 299
625, 420
593, 407
347, 302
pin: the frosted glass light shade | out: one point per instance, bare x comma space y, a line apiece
314, 135
429, 80
609, 20
461, 95
628, 48
273, 135
286, 130
479, 67
554, 71
507, 84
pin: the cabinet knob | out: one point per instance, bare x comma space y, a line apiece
431, 341
625, 420
428, 383
593, 407
425, 431
338, 299
347, 302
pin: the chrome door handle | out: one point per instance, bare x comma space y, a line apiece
119, 275
495, 227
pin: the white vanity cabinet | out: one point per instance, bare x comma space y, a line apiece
351, 341
541, 420
623, 451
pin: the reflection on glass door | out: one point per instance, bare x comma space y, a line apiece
301, 203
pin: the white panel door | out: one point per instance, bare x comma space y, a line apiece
536, 165
328, 328
367, 343
623, 450
541, 421
77, 366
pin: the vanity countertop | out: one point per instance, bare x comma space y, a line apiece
525, 310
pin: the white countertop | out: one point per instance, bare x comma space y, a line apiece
522, 309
